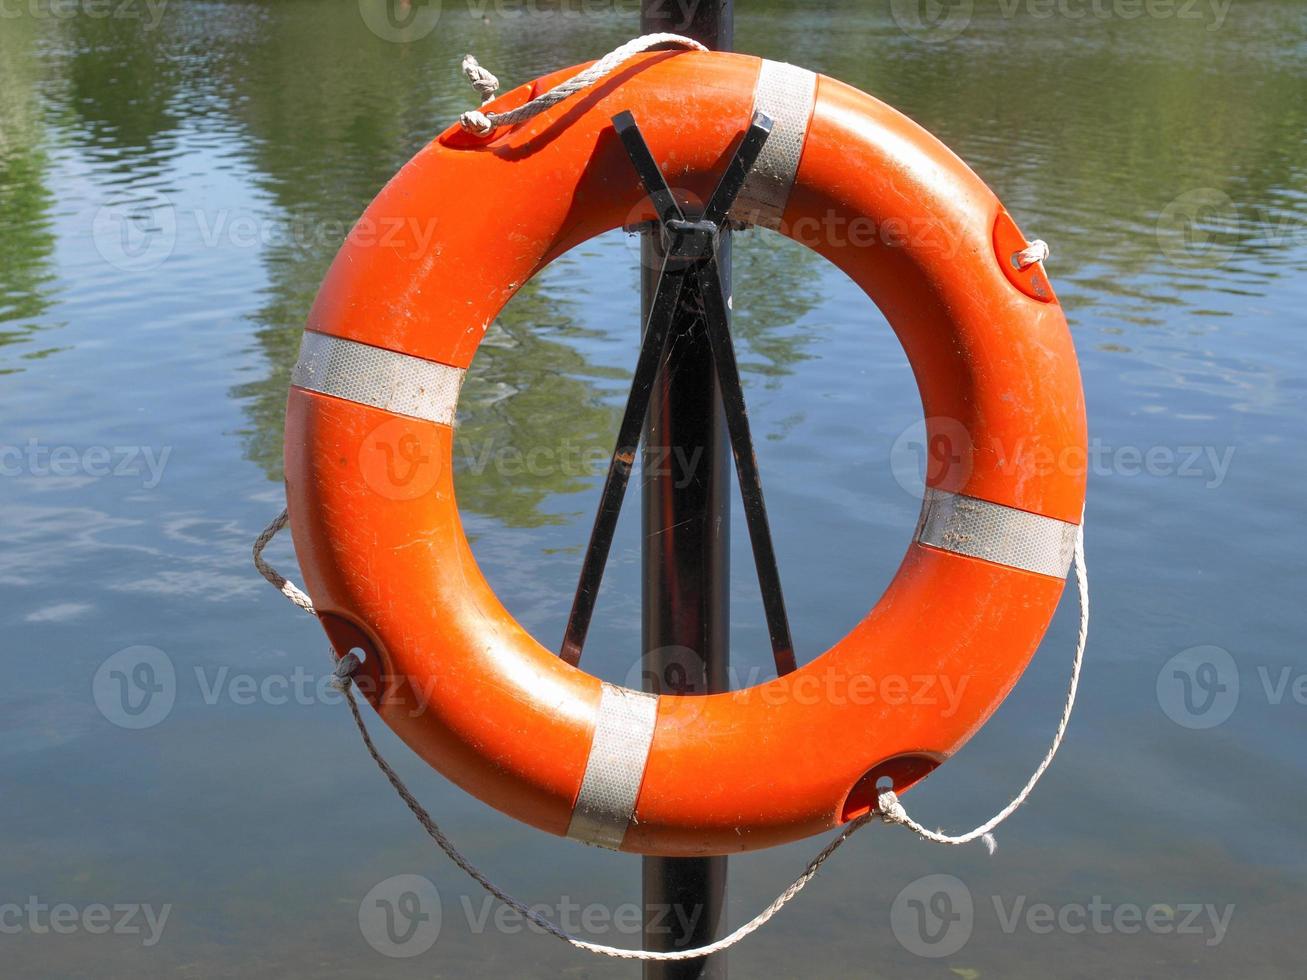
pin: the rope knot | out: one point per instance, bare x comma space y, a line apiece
343, 675
1036, 251
477, 122
891, 810
482, 80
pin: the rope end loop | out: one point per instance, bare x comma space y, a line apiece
476, 122
891, 810
482, 80
343, 675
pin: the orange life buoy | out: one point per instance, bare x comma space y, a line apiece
389, 568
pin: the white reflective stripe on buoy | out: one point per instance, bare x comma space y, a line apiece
1004, 535
787, 94
624, 731
381, 378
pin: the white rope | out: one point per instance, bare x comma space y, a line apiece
1036, 251
483, 123
890, 809
485, 83
284, 585
344, 670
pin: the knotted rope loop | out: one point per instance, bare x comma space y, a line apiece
346, 667
889, 807
484, 123
891, 810
485, 83
1036, 251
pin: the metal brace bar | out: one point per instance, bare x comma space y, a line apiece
746, 467
671, 282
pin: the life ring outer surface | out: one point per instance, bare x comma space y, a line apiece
398, 320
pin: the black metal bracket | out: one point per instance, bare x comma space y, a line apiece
690, 277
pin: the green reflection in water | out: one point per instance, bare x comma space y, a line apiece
122, 82
27, 242
534, 420
775, 283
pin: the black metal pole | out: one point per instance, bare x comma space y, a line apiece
686, 556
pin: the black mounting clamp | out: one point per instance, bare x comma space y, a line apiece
690, 278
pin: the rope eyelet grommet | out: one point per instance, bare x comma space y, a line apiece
1033, 254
